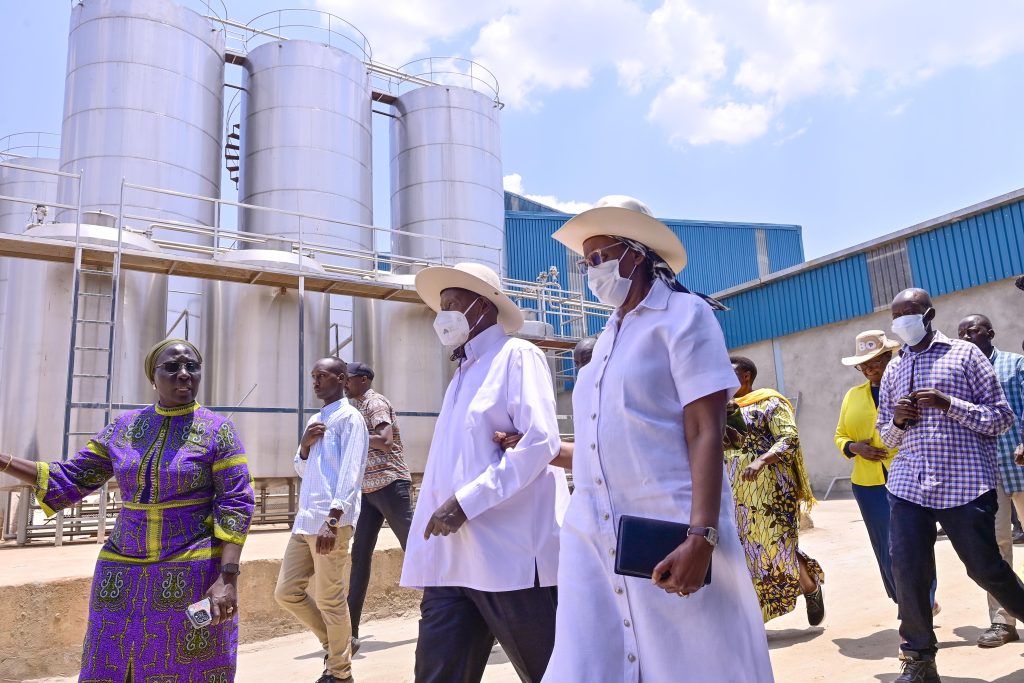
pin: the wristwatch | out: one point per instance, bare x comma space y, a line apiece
709, 533
333, 522
230, 569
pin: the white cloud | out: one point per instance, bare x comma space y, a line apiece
514, 183
711, 71
898, 109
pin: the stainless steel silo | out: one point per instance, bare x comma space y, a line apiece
16, 216
33, 390
306, 144
446, 179
143, 101
305, 148
253, 357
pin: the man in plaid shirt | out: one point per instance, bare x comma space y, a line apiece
941, 406
1009, 368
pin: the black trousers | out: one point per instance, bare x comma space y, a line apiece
393, 503
458, 627
971, 529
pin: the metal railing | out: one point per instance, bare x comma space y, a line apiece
456, 71
30, 144
308, 24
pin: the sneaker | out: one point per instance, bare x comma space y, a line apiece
936, 608
355, 645
998, 634
328, 678
815, 607
919, 671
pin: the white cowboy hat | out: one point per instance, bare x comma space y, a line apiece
620, 216
869, 345
475, 277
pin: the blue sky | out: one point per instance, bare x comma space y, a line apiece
851, 119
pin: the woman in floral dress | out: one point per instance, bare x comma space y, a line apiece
766, 469
187, 504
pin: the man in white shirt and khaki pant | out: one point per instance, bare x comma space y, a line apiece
330, 460
484, 539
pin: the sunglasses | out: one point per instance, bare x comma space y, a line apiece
873, 364
596, 258
173, 367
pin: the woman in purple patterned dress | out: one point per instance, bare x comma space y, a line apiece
187, 504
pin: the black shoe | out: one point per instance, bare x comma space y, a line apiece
815, 607
998, 634
328, 678
1018, 537
919, 671
356, 643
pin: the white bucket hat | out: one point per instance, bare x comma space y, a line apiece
475, 277
870, 345
621, 216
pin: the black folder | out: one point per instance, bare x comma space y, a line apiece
643, 543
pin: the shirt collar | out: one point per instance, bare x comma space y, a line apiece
331, 408
478, 345
656, 299
938, 338
992, 356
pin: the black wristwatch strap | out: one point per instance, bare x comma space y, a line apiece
230, 569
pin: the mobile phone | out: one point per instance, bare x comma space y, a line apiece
199, 613
913, 401
736, 421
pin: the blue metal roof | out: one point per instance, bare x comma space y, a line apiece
974, 246
721, 255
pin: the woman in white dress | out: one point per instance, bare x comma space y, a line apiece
649, 416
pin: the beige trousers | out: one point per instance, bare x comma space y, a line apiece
326, 611
1004, 537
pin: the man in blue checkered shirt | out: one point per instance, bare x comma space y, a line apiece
1009, 368
941, 406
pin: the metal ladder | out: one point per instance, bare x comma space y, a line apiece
231, 152
93, 331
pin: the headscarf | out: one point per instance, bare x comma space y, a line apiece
660, 270
149, 364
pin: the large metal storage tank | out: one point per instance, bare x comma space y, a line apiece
16, 216
446, 179
305, 147
143, 101
306, 143
446, 183
33, 390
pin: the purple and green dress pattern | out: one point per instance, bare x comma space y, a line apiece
186, 491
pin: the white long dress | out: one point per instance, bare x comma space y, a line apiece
631, 458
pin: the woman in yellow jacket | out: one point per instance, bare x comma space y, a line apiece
858, 440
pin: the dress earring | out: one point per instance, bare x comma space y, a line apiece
154, 386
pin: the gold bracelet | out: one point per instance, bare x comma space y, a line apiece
10, 459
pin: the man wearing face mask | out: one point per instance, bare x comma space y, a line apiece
941, 406
484, 539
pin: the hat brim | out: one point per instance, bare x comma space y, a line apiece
430, 282
890, 346
616, 221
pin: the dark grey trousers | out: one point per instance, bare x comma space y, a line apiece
458, 627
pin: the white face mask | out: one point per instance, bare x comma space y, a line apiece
910, 328
607, 285
452, 327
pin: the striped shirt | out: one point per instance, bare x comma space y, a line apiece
1009, 369
382, 468
946, 459
332, 473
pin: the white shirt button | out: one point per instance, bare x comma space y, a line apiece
618, 590
593, 446
631, 657
598, 481
593, 416
611, 551
606, 516
626, 623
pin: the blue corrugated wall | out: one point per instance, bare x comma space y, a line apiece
721, 255
836, 291
971, 252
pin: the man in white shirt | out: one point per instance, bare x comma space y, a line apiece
330, 460
484, 539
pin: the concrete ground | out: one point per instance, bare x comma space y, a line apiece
857, 642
